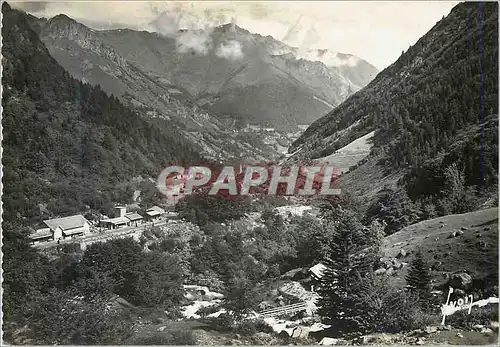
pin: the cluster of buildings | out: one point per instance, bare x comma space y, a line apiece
73, 226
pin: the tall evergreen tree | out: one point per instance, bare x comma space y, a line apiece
348, 262
418, 279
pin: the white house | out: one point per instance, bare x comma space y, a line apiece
67, 226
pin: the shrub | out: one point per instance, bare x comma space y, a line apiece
174, 337
207, 310
222, 323
251, 327
483, 315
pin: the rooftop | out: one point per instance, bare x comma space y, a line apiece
66, 223
117, 220
156, 209
318, 270
133, 216
41, 234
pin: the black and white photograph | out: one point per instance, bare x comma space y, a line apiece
249, 173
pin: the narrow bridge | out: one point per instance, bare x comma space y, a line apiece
283, 310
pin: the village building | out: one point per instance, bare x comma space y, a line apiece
41, 235
154, 213
120, 220
114, 223
61, 228
134, 218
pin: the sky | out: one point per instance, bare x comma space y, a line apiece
376, 31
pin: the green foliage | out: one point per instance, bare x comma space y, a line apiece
251, 327
394, 208
69, 144
168, 338
143, 278
26, 273
418, 279
201, 208
384, 308
223, 323
457, 197
439, 99
350, 260
65, 317
56, 308
241, 295
479, 315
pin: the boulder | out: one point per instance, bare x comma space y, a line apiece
486, 228
460, 280
459, 232
494, 326
463, 229
452, 235
486, 331
160, 329
380, 271
430, 329
328, 341
389, 271
478, 327
300, 333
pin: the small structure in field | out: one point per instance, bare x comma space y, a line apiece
317, 272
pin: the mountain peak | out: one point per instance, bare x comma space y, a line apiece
230, 27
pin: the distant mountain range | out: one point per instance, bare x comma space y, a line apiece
228, 72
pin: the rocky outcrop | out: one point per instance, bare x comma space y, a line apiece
62, 26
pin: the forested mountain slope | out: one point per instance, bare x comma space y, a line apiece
67, 144
435, 106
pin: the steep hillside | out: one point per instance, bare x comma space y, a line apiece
68, 145
473, 249
436, 105
229, 71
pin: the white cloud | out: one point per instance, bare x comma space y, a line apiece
194, 41
231, 50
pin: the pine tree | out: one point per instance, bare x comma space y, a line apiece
348, 262
418, 279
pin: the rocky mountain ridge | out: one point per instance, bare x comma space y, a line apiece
228, 71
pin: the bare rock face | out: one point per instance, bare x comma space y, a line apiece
63, 26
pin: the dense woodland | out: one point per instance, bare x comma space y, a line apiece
437, 105
66, 144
